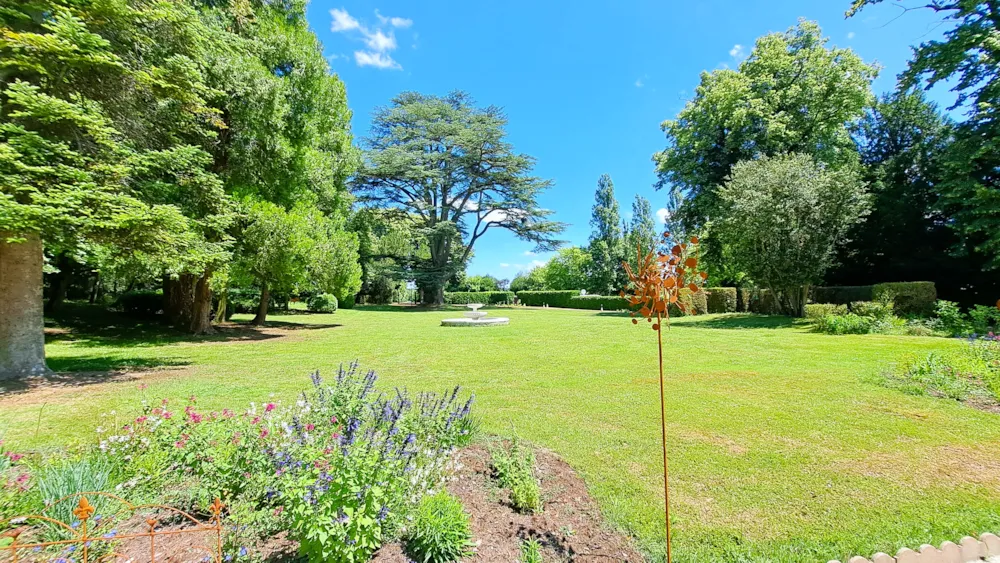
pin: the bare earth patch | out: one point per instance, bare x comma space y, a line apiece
569, 527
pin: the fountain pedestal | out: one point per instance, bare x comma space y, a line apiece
475, 317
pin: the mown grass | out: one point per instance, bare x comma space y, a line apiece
782, 448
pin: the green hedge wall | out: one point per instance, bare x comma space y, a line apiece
607, 302
917, 298
550, 298
842, 295
721, 299
484, 297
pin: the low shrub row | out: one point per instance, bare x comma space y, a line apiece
572, 299
720, 299
911, 298
484, 297
549, 298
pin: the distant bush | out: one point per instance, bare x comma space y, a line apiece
816, 311
440, 530
985, 319
596, 302
694, 303
845, 324
721, 299
950, 319
322, 303
347, 302
484, 297
550, 298
763, 303
911, 298
874, 309
141, 303
244, 300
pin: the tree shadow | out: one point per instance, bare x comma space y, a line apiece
416, 308
741, 321
93, 326
88, 370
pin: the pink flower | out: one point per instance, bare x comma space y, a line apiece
264, 432
15, 457
141, 419
227, 413
310, 427
167, 415
269, 407
22, 478
256, 420
164, 402
142, 386
192, 399
278, 511
333, 420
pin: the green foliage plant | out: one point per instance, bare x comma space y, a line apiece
514, 469
439, 532
322, 303
531, 551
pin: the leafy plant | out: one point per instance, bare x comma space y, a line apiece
531, 551
950, 318
57, 481
974, 371
816, 311
440, 530
323, 303
514, 469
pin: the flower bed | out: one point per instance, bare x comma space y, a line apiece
341, 469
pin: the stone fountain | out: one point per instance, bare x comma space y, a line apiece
475, 317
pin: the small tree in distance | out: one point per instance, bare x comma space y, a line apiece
783, 217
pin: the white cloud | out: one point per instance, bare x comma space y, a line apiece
528, 253
380, 42
662, 214
737, 52
638, 83
393, 21
504, 265
537, 263
342, 21
377, 60
850, 35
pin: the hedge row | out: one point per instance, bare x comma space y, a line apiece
572, 299
605, 302
910, 297
550, 298
721, 299
484, 297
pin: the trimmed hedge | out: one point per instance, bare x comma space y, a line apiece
550, 298
917, 298
763, 303
141, 303
484, 297
721, 299
596, 302
697, 302
843, 294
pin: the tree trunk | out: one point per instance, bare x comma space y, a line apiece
200, 321
95, 289
188, 303
60, 282
220, 310
265, 297
22, 326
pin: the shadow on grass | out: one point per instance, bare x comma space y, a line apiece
93, 326
81, 371
414, 308
739, 320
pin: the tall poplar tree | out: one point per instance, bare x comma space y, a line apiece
607, 242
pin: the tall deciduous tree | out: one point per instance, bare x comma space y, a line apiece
792, 94
95, 97
783, 218
640, 233
969, 57
447, 165
570, 269
607, 242
904, 141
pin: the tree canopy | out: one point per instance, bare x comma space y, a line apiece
445, 165
607, 242
783, 218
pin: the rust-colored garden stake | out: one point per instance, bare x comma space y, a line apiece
654, 286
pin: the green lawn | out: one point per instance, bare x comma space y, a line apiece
781, 448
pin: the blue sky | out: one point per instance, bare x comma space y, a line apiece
585, 84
